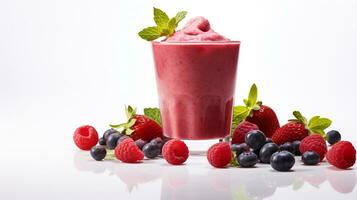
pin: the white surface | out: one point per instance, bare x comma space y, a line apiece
72, 174
73, 62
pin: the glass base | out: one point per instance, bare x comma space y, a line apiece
200, 147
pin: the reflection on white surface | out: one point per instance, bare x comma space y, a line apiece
197, 180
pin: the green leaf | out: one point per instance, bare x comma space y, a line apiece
110, 155
154, 114
180, 16
172, 25
130, 111
160, 17
239, 114
313, 120
150, 33
320, 124
299, 116
252, 97
130, 123
165, 25
234, 162
117, 126
128, 131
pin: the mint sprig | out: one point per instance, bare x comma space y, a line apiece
165, 26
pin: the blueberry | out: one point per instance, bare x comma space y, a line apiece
296, 147
310, 158
140, 143
109, 132
266, 151
333, 137
282, 161
102, 141
255, 139
268, 140
239, 148
158, 141
247, 159
151, 150
287, 146
112, 140
98, 153
123, 137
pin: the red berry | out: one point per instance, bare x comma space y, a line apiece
219, 155
85, 137
290, 132
127, 151
175, 152
342, 155
315, 143
145, 129
242, 129
266, 119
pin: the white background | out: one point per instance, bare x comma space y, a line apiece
72, 62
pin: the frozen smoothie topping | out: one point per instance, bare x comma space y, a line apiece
197, 29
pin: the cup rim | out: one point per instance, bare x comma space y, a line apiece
232, 42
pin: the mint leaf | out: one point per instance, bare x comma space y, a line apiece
164, 25
172, 25
179, 16
160, 17
150, 33
154, 114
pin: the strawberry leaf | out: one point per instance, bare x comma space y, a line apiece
128, 131
239, 114
154, 114
253, 95
117, 126
320, 124
234, 162
299, 117
130, 123
313, 120
130, 111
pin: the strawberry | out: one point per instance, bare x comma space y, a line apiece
299, 128
242, 129
255, 112
266, 119
139, 126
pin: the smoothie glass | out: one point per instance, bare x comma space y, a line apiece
196, 83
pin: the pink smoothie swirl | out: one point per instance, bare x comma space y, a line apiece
197, 29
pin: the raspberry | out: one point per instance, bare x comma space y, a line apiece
127, 151
219, 155
342, 155
175, 152
85, 137
241, 130
315, 143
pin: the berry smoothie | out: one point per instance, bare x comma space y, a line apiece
195, 73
